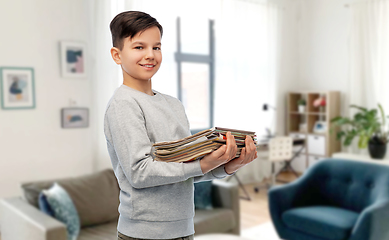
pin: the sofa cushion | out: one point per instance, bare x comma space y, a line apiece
216, 221
106, 231
63, 209
203, 195
96, 196
327, 222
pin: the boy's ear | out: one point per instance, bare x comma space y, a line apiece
115, 53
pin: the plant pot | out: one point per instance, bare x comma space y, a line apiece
377, 148
301, 108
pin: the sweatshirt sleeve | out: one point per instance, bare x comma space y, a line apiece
133, 149
217, 173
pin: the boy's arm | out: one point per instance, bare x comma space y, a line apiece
132, 147
217, 173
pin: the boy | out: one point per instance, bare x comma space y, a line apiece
156, 198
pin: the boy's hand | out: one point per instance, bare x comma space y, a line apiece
248, 154
221, 156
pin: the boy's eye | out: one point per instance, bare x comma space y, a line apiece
157, 48
139, 47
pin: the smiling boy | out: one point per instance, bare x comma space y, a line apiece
156, 198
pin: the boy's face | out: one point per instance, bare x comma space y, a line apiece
141, 56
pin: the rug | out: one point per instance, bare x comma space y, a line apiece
264, 231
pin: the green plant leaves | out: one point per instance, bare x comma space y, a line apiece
365, 124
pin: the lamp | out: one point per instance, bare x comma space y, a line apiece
266, 107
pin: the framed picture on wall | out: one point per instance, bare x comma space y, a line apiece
73, 59
74, 117
17, 88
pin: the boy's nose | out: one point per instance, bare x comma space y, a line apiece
149, 54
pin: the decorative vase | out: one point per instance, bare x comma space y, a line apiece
377, 148
301, 108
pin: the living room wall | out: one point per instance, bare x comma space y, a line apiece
324, 51
33, 145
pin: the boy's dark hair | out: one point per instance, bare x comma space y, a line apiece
128, 24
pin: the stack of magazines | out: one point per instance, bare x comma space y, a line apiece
199, 144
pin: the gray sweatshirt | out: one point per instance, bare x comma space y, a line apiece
156, 198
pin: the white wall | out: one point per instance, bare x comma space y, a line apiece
324, 46
32, 143
321, 28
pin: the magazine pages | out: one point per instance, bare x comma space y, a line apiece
199, 144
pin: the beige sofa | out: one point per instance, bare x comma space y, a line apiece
96, 199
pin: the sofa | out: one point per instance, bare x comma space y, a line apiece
334, 200
96, 199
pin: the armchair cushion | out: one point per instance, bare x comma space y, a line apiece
328, 222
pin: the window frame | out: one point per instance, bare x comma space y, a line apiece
209, 59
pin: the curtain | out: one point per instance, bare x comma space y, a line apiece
104, 72
247, 67
369, 55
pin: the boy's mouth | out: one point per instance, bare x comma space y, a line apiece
148, 66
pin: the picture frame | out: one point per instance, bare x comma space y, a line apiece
320, 127
74, 117
17, 88
73, 59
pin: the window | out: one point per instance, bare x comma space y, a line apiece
195, 74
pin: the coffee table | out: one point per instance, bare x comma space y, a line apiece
218, 236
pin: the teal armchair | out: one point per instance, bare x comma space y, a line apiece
334, 200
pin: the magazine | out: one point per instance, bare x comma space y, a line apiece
199, 144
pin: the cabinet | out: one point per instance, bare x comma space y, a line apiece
316, 145
313, 123
312, 159
299, 163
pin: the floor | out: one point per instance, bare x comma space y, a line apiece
255, 211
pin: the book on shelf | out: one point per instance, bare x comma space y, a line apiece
199, 144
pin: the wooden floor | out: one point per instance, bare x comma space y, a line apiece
256, 211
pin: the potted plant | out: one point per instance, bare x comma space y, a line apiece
301, 105
368, 126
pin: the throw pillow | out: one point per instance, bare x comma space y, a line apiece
44, 205
203, 195
63, 209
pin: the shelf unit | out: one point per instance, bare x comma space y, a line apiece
318, 145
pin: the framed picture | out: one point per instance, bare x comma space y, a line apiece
320, 127
74, 117
17, 88
73, 59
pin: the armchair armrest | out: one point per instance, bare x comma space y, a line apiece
372, 223
19, 220
226, 195
284, 197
